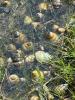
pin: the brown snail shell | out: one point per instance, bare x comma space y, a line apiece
9, 60
35, 97
61, 30
14, 79
35, 24
55, 27
12, 47
6, 3
27, 46
22, 38
53, 36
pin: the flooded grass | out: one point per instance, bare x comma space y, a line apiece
37, 50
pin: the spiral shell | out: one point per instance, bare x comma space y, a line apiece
28, 20
22, 38
27, 46
55, 27
43, 6
14, 79
30, 58
11, 47
50, 97
37, 74
35, 24
61, 30
35, 97
6, 3
60, 89
53, 36
43, 57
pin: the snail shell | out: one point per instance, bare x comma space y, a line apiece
27, 46
40, 15
61, 30
30, 58
43, 57
50, 97
37, 74
53, 36
22, 38
60, 89
35, 24
9, 60
14, 79
28, 20
35, 97
11, 47
43, 6
55, 27
6, 3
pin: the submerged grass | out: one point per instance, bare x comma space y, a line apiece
62, 66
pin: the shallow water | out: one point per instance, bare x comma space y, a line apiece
12, 20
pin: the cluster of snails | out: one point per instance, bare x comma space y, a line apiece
29, 21
45, 5
19, 46
57, 32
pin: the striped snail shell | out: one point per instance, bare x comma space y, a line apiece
14, 79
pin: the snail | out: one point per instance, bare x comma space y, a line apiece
46, 73
30, 58
27, 46
61, 30
73, 2
43, 57
9, 60
21, 38
50, 96
19, 53
11, 47
37, 74
40, 15
43, 6
53, 36
55, 27
35, 24
34, 97
60, 89
14, 79
6, 3
16, 34
57, 3
28, 20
